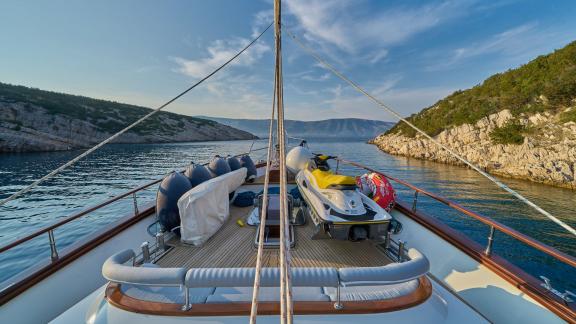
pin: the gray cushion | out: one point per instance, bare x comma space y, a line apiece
270, 294
173, 295
266, 290
115, 270
365, 293
270, 277
392, 273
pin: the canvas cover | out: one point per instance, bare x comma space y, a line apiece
205, 208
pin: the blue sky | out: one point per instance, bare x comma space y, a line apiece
407, 53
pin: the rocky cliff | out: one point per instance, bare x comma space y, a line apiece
36, 120
520, 123
547, 153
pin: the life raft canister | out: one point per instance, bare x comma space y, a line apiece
378, 188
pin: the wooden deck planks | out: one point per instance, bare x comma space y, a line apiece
233, 247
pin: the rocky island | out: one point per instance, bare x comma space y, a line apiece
37, 120
520, 124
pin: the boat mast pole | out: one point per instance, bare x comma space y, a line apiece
285, 280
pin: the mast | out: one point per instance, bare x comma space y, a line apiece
286, 311
285, 258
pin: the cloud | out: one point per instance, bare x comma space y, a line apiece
405, 101
520, 44
376, 56
322, 77
507, 42
261, 20
350, 27
219, 52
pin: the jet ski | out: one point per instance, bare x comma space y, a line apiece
336, 206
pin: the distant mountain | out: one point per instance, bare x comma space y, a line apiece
38, 120
333, 128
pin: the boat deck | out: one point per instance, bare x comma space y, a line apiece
233, 247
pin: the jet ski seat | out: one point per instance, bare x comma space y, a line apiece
329, 180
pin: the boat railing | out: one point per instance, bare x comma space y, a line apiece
494, 225
49, 230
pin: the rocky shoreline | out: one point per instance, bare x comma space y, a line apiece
547, 155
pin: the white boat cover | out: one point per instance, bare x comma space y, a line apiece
205, 208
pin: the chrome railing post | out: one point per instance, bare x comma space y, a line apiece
145, 252
187, 306
135, 203
415, 201
160, 243
401, 250
53, 249
338, 304
387, 240
488, 250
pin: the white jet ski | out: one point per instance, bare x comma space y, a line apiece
335, 205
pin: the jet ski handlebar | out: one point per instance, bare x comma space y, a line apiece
325, 157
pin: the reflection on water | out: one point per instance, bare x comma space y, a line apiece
118, 168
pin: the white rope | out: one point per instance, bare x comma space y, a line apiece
456, 155
113, 137
262, 226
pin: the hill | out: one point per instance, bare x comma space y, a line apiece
546, 84
38, 120
520, 123
329, 128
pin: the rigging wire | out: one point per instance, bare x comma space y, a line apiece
262, 225
449, 150
113, 137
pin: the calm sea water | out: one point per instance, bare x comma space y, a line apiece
117, 168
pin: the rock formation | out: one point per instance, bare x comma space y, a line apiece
548, 154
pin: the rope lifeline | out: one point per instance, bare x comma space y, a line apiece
262, 226
113, 137
456, 155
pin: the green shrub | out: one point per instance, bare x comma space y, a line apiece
511, 133
568, 116
519, 90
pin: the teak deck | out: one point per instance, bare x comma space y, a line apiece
233, 247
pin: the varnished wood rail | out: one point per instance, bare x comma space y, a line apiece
559, 255
41, 270
89, 210
75, 216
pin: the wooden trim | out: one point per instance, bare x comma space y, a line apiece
118, 299
34, 275
511, 273
85, 212
568, 259
69, 255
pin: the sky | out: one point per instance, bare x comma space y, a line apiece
407, 53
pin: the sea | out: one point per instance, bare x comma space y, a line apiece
117, 168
